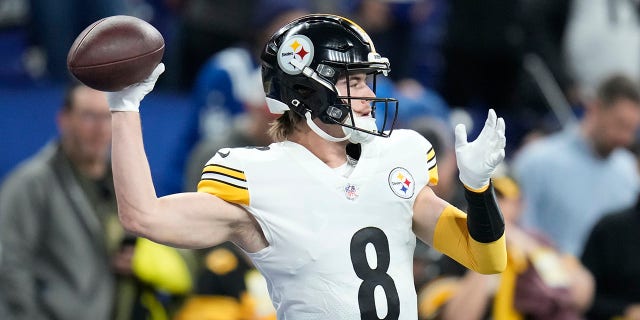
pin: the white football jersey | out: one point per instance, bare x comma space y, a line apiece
339, 247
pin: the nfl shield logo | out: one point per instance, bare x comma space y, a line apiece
351, 191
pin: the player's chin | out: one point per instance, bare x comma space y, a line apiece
337, 131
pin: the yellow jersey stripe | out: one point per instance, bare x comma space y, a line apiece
225, 190
433, 175
431, 154
432, 167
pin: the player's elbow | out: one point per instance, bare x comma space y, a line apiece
133, 220
130, 223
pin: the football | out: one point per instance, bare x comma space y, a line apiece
115, 52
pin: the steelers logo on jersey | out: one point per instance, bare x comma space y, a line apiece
401, 183
299, 48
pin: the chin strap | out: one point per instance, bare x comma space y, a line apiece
314, 127
357, 136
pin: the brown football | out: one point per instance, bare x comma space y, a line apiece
115, 52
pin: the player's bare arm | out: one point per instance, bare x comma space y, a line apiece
426, 211
189, 220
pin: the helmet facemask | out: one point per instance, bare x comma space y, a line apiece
362, 129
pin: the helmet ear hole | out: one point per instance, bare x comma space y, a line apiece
304, 91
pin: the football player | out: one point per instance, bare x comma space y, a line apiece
330, 213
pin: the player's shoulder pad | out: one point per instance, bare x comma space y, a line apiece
412, 140
406, 138
239, 157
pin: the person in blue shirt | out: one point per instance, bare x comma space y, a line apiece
571, 178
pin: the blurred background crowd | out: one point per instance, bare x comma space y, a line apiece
563, 73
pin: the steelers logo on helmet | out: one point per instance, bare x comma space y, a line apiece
298, 48
401, 183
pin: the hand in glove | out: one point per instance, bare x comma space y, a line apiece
128, 99
477, 160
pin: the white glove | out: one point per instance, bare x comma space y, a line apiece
128, 99
478, 160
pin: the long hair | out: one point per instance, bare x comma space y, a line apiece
284, 126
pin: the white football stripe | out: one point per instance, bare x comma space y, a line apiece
223, 178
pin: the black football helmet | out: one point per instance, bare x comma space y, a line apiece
302, 62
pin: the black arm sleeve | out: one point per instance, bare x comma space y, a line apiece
484, 219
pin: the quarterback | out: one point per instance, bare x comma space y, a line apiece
331, 212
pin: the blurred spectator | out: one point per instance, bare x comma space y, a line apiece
161, 278
601, 39
570, 179
59, 221
611, 253
54, 25
64, 253
538, 283
227, 288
